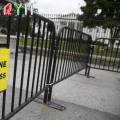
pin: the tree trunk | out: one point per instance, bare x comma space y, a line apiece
111, 44
111, 41
114, 34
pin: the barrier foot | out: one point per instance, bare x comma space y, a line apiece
54, 105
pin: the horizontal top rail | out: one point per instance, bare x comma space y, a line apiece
106, 39
66, 27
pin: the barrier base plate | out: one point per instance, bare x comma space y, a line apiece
54, 105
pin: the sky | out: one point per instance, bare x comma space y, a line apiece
58, 6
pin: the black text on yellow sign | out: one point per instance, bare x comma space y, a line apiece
4, 65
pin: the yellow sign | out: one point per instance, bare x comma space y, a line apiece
4, 65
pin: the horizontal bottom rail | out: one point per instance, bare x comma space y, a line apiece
105, 69
8, 116
68, 76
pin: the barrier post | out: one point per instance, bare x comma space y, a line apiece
50, 28
89, 66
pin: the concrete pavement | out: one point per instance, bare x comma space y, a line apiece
94, 98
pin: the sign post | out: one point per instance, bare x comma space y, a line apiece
4, 65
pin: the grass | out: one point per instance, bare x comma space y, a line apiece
105, 51
62, 46
22, 40
74, 47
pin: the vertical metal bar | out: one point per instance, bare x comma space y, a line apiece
88, 62
61, 50
90, 54
44, 59
76, 59
3, 104
76, 67
35, 59
76, 45
68, 58
102, 52
50, 64
8, 34
66, 52
38, 40
41, 55
116, 54
91, 50
79, 48
118, 63
54, 65
110, 57
59, 55
90, 59
65, 66
29, 69
106, 55
24, 57
97, 53
15, 64
118, 66
48, 56
63, 47
8, 44
74, 52
72, 43
77, 51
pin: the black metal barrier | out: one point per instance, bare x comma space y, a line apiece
71, 56
105, 55
27, 77
53, 61
49, 60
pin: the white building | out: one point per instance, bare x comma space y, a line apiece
72, 21
68, 20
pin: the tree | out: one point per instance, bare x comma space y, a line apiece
107, 10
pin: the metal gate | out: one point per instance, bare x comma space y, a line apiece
30, 77
47, 62
105, 55
71, 56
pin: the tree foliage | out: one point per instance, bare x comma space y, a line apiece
106, 13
